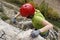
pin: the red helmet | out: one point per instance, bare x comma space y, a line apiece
27, 10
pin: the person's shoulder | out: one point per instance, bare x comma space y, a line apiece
37, 12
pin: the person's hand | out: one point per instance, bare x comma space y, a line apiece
14, 20
35, 33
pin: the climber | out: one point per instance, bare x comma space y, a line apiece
41, 25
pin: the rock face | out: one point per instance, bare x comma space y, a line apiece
8, 32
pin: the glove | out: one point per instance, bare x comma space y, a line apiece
14, 20
35, 33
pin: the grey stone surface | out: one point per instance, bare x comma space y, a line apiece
8, 32
9, 5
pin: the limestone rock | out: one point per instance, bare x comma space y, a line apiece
8, 32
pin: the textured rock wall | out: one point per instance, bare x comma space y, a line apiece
9, 32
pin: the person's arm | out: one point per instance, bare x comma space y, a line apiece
14, 18
16, 15
47, 26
